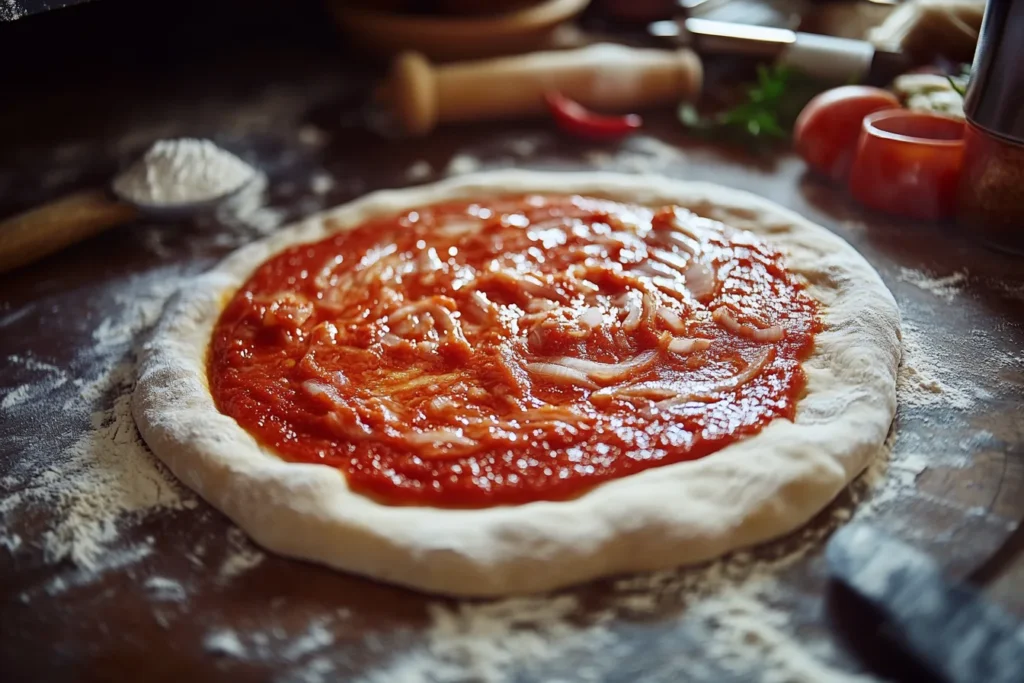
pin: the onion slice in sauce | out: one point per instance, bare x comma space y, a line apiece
592, 317
321, 390
684, 243
633, 311
683, 346
560, 374
440, 442
700, 280
547, 413
650, 391
726, 319
766, 356
608, 372
709, 392
672, 319
673, 261
456, 227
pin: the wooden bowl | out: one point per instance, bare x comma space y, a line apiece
482, 7
446, 38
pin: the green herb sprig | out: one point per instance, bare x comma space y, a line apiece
959, 83
768, 112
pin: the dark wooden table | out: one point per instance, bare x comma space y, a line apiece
274, 86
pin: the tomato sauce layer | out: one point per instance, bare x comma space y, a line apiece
512, 350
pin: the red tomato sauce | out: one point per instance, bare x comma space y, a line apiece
513, 350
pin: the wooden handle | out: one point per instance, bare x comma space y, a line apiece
41, 231
608, 78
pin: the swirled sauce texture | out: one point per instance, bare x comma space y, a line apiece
513, 350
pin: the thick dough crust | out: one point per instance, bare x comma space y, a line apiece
752, 491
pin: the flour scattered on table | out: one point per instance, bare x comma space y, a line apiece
1008, 289
923, 380
461, 164
224, 642
82, 577
490, 641
311, 136
28, 393
164, 589
715, 622
946, 287
638, 154
419, 171
242, 555
50, 378
248, 210
321, 183
316, 637
10, 10
275, 641
527, 145
107, 476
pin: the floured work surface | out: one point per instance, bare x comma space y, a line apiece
110, 570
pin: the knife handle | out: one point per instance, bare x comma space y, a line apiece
950, 628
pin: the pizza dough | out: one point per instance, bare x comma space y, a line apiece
754, 490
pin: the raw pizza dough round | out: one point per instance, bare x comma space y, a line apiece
754, 490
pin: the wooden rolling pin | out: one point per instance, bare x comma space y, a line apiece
39, 232
607, 78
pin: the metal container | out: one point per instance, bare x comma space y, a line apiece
995, 96
991, 193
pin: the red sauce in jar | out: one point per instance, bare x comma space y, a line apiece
513, 350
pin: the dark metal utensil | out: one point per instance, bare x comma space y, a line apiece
826, 58
949, 628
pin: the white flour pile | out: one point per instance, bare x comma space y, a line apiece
182, 171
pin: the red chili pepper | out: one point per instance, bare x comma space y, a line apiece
575, 119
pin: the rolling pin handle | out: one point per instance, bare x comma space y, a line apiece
414, 93
39, 232
611, 78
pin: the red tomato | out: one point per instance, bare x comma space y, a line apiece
908, 163
827, 129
